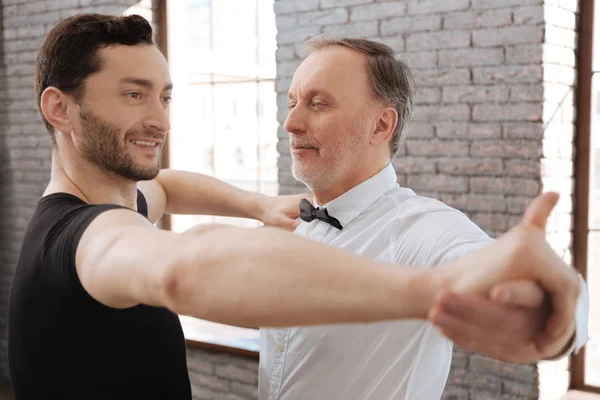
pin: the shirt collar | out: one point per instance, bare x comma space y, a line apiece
356, 200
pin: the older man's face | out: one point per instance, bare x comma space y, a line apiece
329, 119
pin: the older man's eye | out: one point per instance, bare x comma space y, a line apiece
291, 105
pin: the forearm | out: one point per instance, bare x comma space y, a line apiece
194, 193
266, 277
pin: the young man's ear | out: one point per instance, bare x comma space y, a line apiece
55, 108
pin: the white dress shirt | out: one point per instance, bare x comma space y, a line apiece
408, 359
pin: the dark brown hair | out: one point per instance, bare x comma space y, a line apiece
390, 79
69, 52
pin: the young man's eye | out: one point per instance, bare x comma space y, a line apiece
134, 95
166, 99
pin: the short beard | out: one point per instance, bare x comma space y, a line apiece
103, 147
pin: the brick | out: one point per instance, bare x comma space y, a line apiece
437, 147
523, 168
197, 364
282, 85
455, 393
554, 54
416, 130
531, 15
478, 19
557, 168
377, 11
397, 43
559, 131
236, 373
560, 36
507, 112
288, 68
508, 36
357, 29
475, 94
288, 36
428, 95
292, 6
323, 17
505, 185
494, 222
508, 74
486, 4
411, 24
438, 40
285, 53
467, 130
434, 6
342, 3
475, 202
286, 21
524, 54
455, 112
523, 130
243, 389
471, 57
560, 17
211, 382
559, 74
441, 76
518, 149
460, 359
526, 93
415, 165
421, 59
471, 166
571, 5
439, 183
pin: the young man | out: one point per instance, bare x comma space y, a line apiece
94, 304
350, 102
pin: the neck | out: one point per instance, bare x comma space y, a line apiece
326, 194
90, 183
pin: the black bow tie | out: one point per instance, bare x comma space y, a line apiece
309, 213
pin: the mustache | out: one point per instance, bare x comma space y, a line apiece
298, 142
145, 133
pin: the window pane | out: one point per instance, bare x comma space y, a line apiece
592, 349
224, 113
268, 126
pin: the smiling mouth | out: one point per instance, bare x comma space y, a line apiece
144, 143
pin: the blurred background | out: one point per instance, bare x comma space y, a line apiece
507, 106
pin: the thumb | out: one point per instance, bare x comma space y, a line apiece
538, 211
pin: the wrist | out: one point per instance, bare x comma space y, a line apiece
254, 205
431, 283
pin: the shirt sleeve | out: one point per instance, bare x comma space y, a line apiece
443, 236
60, 245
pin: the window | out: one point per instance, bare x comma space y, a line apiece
224, 111
585, 370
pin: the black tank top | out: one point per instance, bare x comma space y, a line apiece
63, 344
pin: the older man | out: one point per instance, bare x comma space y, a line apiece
349, 104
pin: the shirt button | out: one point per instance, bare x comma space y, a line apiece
280, 348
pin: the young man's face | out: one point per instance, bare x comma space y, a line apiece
122, 121
330, 117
